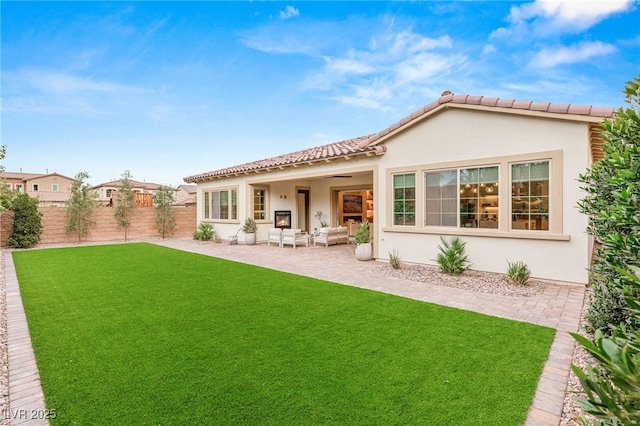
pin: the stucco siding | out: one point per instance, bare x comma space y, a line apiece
463, 136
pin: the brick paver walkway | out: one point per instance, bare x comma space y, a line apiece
559, 306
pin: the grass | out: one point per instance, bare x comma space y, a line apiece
140, 334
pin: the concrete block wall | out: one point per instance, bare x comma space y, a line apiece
143, 225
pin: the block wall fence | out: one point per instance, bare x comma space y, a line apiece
143, 225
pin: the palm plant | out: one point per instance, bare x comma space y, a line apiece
452, 257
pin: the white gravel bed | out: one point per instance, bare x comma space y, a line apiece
571, 412
485, 282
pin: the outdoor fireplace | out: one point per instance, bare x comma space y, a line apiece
282, 219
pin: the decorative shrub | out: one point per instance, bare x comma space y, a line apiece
205, 232
250, 226
394, 259
518, 272
612, 203
27, 222
452, 257
362, 235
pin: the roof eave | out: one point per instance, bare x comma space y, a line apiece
416, 118
206, 177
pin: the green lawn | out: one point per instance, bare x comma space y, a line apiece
141, 334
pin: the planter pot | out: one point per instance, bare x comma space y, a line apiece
250, 239
364, 251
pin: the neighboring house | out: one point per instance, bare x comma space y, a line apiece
144, 191
499, 173
186, 195
52, 189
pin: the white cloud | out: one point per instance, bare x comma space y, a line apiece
50, 92
548, 17
289, 12
551, 57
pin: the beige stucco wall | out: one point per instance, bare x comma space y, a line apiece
458, 135
453, 137
282, 188
46, 183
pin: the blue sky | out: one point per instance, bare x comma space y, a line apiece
168, 90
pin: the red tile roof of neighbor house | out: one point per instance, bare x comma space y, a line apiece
368, 144
29, 176
50, 196
134, 184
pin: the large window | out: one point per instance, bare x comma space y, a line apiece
462, 197
530, 196
441, 198
259, 204
404, 199
465, 197
222, 204
479, 197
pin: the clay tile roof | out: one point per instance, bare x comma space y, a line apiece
21, 176
559, 108
323, 152
580, 109
505, 103
540, 106
522, 105
451, 99
366, 144
51, 196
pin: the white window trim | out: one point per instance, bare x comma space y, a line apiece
221, 189
266, 189
555, 231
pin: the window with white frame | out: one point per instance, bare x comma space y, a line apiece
259, 203
465, 195
530, 196
404, 199
55, 187
36, 188
221, 204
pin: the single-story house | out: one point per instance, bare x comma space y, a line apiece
499, 173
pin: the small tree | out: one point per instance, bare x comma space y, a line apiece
27, 222
165, 215
125, 203
81, 207
6, 194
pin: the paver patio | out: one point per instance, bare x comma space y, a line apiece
559, 306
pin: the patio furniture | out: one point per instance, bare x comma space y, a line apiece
274, 236
327, 236
294, 237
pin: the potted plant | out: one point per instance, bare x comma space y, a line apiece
362, 240
249, 228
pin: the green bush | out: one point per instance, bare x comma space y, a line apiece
394, 259
250, 226
452, 258
613, 387
518, 272
27, 222
362, 235
612, 204
205, 232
